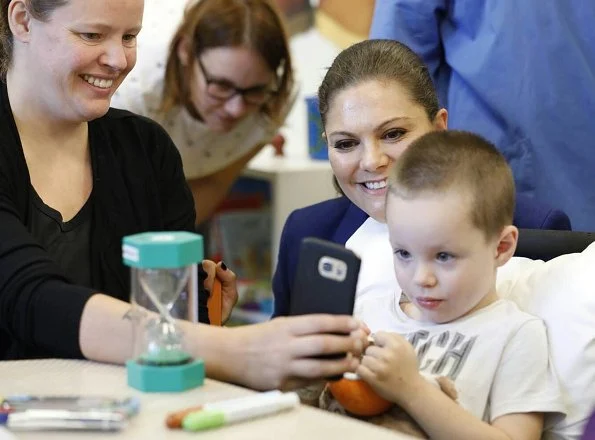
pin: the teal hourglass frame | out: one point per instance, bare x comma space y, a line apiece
155, 253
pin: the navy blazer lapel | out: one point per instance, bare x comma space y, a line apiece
353, 219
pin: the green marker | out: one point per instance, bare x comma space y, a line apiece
249, 408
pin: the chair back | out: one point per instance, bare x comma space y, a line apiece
545, 244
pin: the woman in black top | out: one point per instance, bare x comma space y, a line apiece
76, 176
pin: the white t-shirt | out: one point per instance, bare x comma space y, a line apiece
497, 357
203, 152
377, 273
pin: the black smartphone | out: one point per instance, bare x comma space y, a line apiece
325, 281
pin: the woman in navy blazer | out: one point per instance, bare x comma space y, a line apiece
366, 134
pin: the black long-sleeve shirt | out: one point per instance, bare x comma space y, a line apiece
138, 186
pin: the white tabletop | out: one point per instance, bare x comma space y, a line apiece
68, 377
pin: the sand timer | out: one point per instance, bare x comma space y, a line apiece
164, 290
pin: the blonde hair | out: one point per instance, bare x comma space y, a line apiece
208, 24
457, 160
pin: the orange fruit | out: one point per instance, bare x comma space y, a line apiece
357, 397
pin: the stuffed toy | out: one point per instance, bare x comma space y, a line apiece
351, 396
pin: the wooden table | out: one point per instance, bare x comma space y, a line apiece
69, 377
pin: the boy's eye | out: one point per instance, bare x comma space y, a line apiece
443, 256
402, 254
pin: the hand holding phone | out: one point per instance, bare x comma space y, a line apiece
325, 281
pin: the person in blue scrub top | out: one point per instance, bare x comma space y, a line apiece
589, 433
376, 98
521, 74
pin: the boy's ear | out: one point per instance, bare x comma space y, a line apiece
19, 20
506, 244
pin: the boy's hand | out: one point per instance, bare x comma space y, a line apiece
390, 366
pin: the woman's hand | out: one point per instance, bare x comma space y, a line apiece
390, 366
229, 292
279, 353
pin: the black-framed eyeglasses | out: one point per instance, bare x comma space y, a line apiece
223, 90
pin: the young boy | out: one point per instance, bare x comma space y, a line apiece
449, 212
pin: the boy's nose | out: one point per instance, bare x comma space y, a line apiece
424, 276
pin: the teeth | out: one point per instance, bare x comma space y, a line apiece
375, 185
101, 83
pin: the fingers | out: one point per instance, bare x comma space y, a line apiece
312, 324
229, 289
224, 273
316, 368
314, 345
375, 352
366, 328
382, 339
372, 363
220, 270
365, 373
228, 283
211, 269
360, 335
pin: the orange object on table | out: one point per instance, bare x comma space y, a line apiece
357, 397
174, 420
214, 304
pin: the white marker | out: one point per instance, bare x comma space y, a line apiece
249, 408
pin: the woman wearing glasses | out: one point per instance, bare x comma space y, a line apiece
221, 86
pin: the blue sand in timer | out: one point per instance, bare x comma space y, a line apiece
164, 289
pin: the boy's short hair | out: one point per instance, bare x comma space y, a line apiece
445, 160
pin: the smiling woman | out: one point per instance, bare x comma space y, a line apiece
71, 52
371, 124
217, 75
64, 60
77, 176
